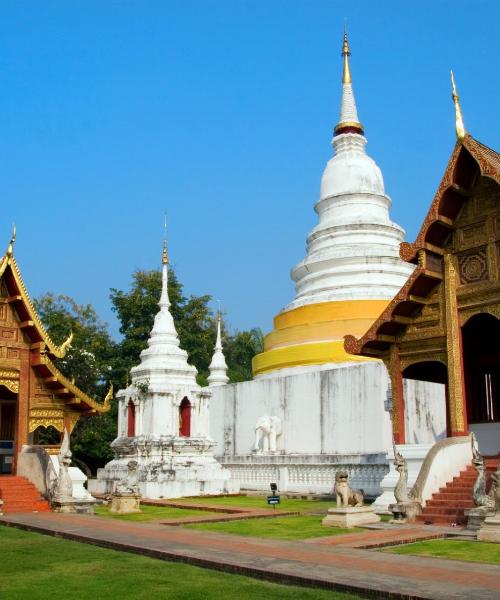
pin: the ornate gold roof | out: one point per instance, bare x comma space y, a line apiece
8, 260
75, 391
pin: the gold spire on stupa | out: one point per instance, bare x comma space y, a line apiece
346, 75
164, 258
459, 120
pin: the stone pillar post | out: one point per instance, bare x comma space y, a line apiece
398, 401
456, 385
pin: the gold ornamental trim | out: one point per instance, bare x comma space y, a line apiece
9, 374
9, 378
10, 384
46, 417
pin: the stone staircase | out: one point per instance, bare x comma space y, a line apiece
20, 495
447, 506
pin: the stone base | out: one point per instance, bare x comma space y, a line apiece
404, 512
82, 506
476, 517
125, 504
353, 516
490, 530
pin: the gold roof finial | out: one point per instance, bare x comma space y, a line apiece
346, 75
459, 121
10, 247
164, 258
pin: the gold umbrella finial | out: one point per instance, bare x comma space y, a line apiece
346, 75
10, 247
459, 120
164, 259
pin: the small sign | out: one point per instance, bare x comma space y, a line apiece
273, 499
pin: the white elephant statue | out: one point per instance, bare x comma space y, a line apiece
267, 430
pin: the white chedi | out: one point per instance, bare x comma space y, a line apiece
218, 367
353, 252
163, 421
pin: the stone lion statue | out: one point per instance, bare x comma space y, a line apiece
346, 496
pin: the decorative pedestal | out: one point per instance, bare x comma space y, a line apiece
125, 504
73, 505
404, 512
353, 516
490, 529
476, 517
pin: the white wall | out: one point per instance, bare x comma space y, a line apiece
425, 411
335, 411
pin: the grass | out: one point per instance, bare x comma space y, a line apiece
283, 528
150, 513
38, 567
295, 504
484, 552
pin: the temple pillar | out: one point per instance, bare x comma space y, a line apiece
398, 401
456, 381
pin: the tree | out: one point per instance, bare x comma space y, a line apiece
195, 324
90, 363
239, 350
137, 308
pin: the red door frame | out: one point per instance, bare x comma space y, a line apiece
185, 418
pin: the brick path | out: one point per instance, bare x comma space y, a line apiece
365, 572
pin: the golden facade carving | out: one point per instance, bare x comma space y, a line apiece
46, 417
10, 384
73, 419
456, 397
9, 378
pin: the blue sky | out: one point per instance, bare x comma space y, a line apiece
219, 114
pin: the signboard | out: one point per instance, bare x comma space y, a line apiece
273, 500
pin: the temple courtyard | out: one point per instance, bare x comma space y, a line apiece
240, 544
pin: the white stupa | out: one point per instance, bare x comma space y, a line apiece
352, 267
163, 421
315, 406
218, 367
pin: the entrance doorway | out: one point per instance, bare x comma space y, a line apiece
481, 355
8, 405
185, 418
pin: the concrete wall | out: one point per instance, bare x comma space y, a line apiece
334, 411
425, 412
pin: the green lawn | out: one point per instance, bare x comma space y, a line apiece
286, 528
295, 504
455, 549
37, 567
150, 513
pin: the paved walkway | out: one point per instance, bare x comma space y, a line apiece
341, 567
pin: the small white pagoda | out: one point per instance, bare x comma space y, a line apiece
163, 421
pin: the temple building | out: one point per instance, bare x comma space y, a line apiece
311, 405
444, 323
163, 421
37, 402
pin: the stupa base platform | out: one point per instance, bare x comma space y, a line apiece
171, 468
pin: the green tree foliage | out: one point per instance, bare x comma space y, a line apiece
239, 350
194, 322
137, 308
89, 362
